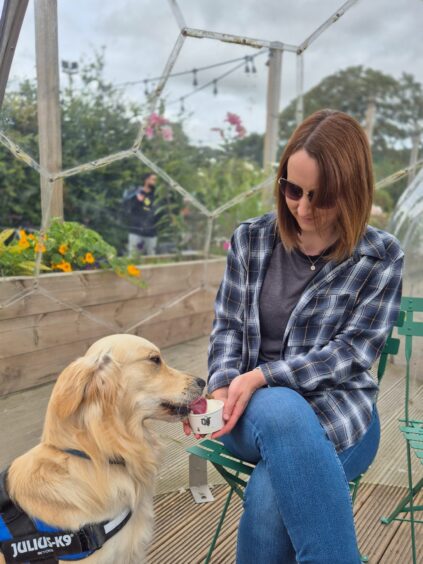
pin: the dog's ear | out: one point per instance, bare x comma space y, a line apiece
87, 380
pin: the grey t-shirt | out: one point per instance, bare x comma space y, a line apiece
286, 278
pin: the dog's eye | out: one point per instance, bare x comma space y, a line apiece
156, 359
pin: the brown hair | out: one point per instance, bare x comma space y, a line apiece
339, 145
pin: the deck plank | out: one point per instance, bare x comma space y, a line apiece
183, 534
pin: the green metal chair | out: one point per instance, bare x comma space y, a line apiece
412, 429
236, 472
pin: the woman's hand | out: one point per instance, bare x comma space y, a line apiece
238, 395
219, 394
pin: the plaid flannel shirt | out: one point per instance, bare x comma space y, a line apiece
334, 334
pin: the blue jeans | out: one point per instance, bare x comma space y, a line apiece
141, 244
297, 504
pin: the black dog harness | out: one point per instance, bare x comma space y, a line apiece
24, 539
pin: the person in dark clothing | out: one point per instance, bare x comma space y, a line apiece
141, 209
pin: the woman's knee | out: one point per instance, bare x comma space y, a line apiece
280, 410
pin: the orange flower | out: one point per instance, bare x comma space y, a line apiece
133, 270
65, 266
40, 247
31, 237
63, 248
88, 258
23, 240
23, 243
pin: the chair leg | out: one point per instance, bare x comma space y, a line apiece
401, 507
353, 492
219, 526
411, 489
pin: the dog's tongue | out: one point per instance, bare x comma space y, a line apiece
199, 405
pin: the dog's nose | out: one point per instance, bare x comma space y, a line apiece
200, 382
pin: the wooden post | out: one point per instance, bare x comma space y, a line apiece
370, 120
414, 155
10, 25
49, 128
299, 111
272, 120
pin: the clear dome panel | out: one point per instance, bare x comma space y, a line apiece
407, 225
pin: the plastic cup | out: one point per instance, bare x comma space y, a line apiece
209, 422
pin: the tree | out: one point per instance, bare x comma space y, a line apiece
350, 91
249, 148
19, 184
407, 113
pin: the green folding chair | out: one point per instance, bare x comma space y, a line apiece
236, 472
411, 429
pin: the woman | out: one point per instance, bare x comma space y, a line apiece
305, 307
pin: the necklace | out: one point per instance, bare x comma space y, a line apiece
315, 261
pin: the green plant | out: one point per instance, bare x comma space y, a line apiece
17, 256
66, 246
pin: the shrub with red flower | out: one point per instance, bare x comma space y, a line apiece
235, 130
235, 121
158, 125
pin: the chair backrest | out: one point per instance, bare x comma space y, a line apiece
391, 347
410, 329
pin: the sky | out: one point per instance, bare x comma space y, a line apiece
138, 36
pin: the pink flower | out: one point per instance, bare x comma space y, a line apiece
167, 133
226, 245
149, 132
157, 120
153, 119
233, 119
240, 130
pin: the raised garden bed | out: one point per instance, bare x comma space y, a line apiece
39, 335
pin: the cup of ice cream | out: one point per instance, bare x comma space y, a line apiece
206, 416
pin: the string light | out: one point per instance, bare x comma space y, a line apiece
194, 71
247, 66
214, 81
149, 83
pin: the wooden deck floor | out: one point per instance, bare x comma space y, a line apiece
184, 529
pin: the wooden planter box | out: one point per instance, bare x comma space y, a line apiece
39, 336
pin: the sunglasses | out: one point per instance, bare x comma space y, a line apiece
294, 192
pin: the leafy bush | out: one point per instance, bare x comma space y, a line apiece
66, 246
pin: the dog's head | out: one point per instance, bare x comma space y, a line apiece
120, 382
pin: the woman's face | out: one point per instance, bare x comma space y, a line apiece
303, 171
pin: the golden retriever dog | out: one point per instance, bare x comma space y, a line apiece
98, 457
